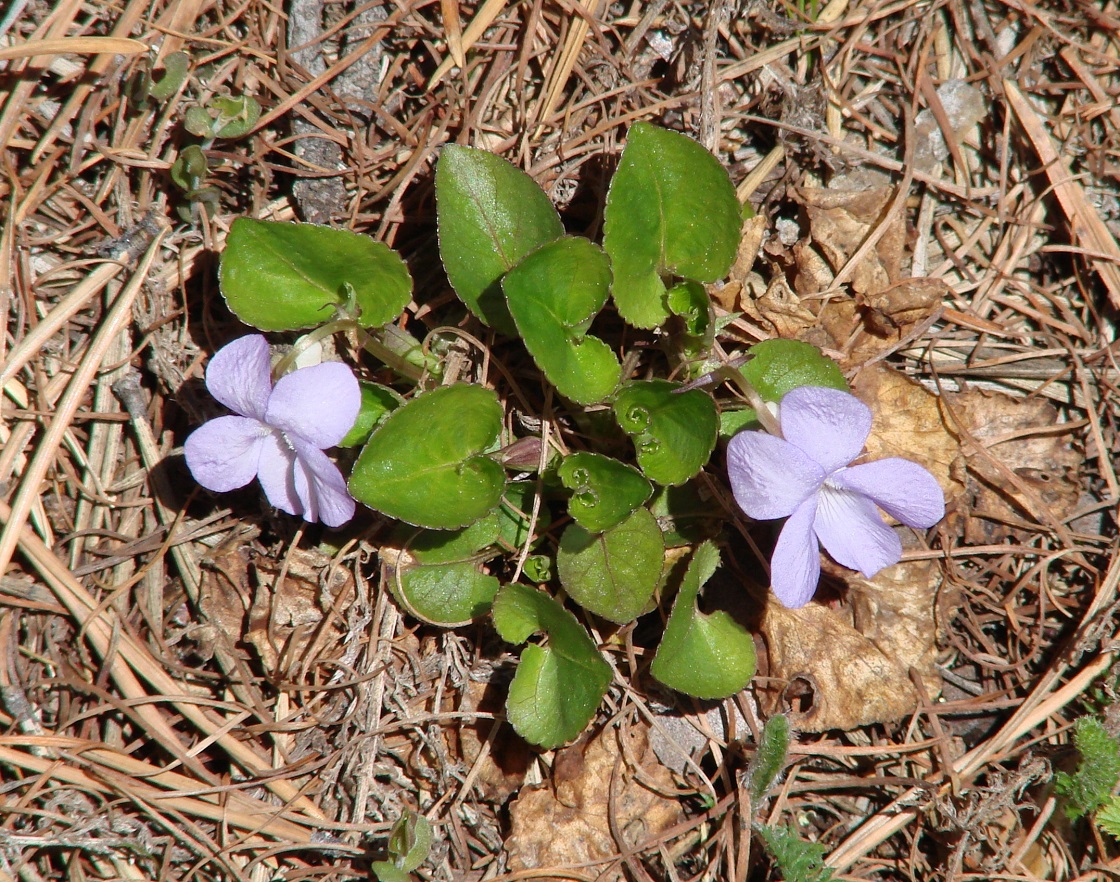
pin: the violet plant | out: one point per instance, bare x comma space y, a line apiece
569, 478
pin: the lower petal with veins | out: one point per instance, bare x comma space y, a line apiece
851, 529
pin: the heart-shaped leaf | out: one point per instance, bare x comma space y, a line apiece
436, 575
558, 686
613, 574
604, 490
490, 215
674, 432
671, 211
281, 276
705, 655
448, 546
553, 295
425, 464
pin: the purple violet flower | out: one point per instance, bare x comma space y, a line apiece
279, 433
806, 477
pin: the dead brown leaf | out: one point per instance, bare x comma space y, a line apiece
778, 310
285, 616
501, 771
1023, 436
892, 312
840, 221
839, 668
569, 824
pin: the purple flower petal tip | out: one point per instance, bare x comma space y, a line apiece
278, 433
806, 477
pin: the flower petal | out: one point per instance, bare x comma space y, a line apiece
852, 531
224, 453
321, 487
903, 489
829, 425
769, 476
277, 473
795, 566
238, 376
319, 404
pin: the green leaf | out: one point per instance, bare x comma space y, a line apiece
674, 433
444, 594
198, 122
558, 686
387, 872
671, 211
1091, 784
410, 841
777, 366
797, 860
553, 294
773, 748
281, 276
425, 464
708, 655
689, 300
490, 215
1108, 818
234, 117
735, 420
539, 568
175, 69
189, 170
377, 403
613, 574
604, 490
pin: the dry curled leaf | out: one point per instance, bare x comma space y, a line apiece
892, 312
778, 310
595, 787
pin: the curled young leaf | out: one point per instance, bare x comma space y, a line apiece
674, 432
604, 490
